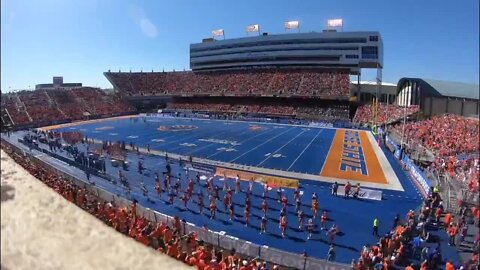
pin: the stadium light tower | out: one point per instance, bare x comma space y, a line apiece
292, 25
333, 24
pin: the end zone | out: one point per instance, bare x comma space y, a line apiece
354, 156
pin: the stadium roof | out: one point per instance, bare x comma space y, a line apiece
445, 88
373, 83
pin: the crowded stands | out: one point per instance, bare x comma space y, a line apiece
453, 140
387, 113
47, 106
307, 83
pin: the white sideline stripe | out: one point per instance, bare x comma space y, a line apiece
269, 156
304, 149
260, 145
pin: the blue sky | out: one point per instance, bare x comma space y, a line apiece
80, 39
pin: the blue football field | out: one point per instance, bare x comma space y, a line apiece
274, 146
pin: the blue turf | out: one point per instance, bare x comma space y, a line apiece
278, 147
354, 217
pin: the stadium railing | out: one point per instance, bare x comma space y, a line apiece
220, 239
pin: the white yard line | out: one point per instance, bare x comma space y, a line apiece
212, 143
262, 133
308, 145
269, 156
261, 144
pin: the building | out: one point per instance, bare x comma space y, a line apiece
57, 84
388, 91
328, 49
439, 97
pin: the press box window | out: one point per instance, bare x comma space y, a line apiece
373, 38
351, 56
370, 52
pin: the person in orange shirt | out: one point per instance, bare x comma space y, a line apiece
447, 220
410, 267
324, 219
438, 214
172, 249
167, 235
315, 207
449, 266
452, 232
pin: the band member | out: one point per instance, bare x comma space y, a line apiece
296, 193
213, 209
246, 214
264, 206
301, 220
225, 184
158, 186
283, 224
298, 204
315, 208
311, 227
200, 203
263, 224
232, 211
324, 219
237, 184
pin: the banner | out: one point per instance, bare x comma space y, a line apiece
365, 193
218, 32
272, 181
253, 28
335, 23
292, 25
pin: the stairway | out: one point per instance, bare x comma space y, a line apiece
23, 107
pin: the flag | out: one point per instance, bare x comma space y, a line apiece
335, 23
253, 28
292, 25
218, 32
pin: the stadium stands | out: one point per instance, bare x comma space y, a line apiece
262, 82
47, 106
388, 113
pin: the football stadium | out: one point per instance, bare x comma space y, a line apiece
270, 152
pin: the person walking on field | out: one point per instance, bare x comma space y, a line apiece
376, 224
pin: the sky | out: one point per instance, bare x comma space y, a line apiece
81, 39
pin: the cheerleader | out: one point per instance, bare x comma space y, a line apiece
200, 203
279, 194
284, 201
226, 201
185, 199
225, 184
250, 185
296, 193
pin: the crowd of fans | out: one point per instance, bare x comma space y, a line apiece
331, 113
407, 241
453, 140
168, 238
244, 82
387, 113
44, 106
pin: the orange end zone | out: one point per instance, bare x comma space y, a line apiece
353, 158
